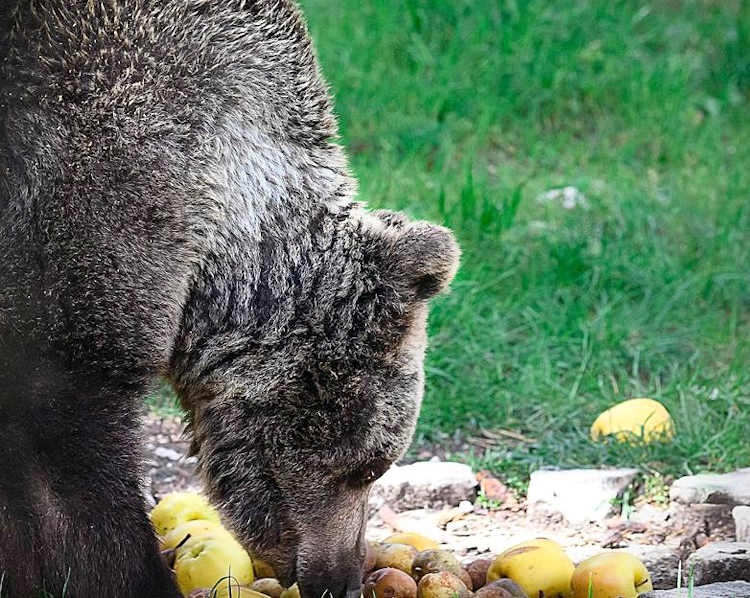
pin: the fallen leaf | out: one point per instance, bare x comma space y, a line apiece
410, 525
494, 489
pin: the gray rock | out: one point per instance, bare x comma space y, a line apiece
662, 563
712, 520
167, 453
424, 485
733, 589
728, 488
720, 561
579, 495
741, 517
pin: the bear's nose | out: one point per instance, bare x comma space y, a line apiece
339, 582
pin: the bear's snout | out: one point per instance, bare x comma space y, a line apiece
336, 575
339, 583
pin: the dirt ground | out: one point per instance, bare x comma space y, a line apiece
479, 531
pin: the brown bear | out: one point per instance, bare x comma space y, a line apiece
173, 203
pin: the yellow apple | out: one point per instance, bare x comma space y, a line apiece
418, 541
195, 529
611, 575
635, 419
538, 542
537, 566
203, 561
223, 591
179, 507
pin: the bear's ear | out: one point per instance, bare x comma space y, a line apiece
425, 258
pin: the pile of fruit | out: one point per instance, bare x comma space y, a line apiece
209, 563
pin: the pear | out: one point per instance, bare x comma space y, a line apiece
268, 586
397, 556
442, 585
433, 561
389, 583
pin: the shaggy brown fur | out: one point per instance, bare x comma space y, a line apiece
171, 203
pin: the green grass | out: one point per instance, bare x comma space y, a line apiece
464, 112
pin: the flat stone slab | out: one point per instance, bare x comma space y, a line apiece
720, 561
732, 589
726, 488
424, 485
579, 495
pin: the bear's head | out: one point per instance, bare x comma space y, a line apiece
327, 400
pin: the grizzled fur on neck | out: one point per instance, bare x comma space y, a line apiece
172, 202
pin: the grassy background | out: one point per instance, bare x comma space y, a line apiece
465, 111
